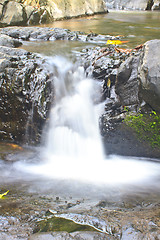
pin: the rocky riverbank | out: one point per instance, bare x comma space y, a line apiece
133, 5
130, 80
34, 12
27, 88
40, 208
34, 205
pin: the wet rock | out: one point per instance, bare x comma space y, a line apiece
149, 74
51, 34
25, 94
69, 236
39, 33
127, 84
7, 236
91, 235
9, 41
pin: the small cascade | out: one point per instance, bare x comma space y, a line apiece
73, 131
73, 148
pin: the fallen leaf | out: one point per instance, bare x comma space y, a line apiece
15, 146
3, 194
109, 83
116, 42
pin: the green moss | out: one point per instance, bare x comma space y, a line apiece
147, 126
60, 224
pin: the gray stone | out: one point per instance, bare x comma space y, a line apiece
91, 236
156, 5
29, 10
70, 236
45, 17
127, 4
1, 10
5, 236
3, 64
2, 2
25, 94
41, 236
127, 85
149, 74
14, 14
9, 41
34, 18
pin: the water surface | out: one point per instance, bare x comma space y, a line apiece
136, 26
111, 176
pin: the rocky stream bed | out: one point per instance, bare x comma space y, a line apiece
129, 79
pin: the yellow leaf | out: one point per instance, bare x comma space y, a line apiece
15, 146
3, 194
116, 42
109, 83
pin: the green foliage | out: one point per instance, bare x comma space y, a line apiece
147, 126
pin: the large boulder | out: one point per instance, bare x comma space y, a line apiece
156, 5
69, 8
29, 12
127, 83
9, 41
149, 74
13, 14
138, 78
25, 94
127, 4
133, 5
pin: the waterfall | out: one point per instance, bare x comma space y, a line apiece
73, 131
73, 148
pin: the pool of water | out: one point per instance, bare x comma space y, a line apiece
36, 184
136, 26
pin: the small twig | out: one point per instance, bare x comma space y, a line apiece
103, 55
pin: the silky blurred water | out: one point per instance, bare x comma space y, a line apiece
73, 147
72, 152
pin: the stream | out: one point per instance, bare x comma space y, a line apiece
69, 172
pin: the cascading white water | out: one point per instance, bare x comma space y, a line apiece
73, 131
73, 148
